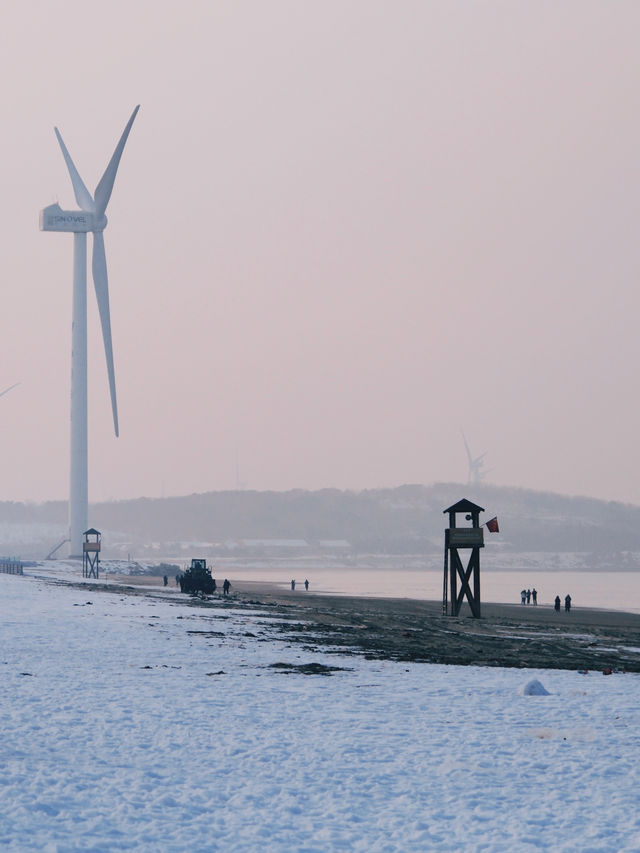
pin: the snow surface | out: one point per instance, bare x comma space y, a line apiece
123, 731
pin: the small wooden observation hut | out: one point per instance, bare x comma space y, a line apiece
457, 539
91, 553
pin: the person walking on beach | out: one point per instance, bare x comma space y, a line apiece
306, 584
523, 596
567, 603
226, 586
557, 604
293, 586
534, 595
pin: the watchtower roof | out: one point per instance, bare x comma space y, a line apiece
464, 506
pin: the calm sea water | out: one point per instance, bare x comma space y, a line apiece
609, 590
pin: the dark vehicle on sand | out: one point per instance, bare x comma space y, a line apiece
197, 578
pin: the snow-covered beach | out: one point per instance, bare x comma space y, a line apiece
138, 722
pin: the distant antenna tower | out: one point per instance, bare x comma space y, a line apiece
476, 465
239, 484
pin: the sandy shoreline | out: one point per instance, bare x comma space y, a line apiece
403, 629
539, 614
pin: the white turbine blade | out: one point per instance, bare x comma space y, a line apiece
466, 447
104, 188
82, 194
10, 388
101, 283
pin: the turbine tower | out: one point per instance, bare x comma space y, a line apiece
90, 217
476, 465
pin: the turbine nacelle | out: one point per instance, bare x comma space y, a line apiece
54, 218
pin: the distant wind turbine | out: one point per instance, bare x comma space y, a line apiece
239, 484
90, 217
476, 465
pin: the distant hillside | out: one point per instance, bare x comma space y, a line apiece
407, 520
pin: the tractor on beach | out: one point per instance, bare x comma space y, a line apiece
197, 579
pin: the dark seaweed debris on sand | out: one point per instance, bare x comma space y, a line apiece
306, 668
408, 630
413, 630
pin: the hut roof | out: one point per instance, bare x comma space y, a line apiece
464, 506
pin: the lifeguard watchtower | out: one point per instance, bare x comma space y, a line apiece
457, 539
91, 553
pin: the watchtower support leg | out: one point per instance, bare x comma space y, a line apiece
457, 569
445, 583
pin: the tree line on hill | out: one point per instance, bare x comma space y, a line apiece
403, 520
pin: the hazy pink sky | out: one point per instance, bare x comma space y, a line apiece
341, 233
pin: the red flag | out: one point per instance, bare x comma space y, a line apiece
492, 525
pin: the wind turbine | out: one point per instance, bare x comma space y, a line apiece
476, 465
90, 217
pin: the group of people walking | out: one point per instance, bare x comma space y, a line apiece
527, 596
530, 596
